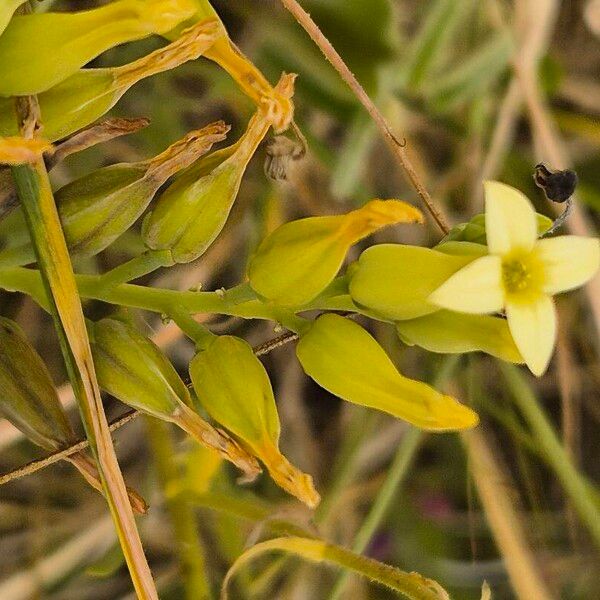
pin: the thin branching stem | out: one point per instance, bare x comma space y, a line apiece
398, 148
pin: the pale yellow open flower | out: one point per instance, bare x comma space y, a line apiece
520, 274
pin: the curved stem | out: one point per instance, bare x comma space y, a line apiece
141, 265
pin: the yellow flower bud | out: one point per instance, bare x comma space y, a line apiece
454, 333
393, 281
134, 370
191, 213
299, 259
90, 93
97, 208
234, 388
39, 50
344, 359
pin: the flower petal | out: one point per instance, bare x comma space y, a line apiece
532, 323
476, 288
569, 261
510, 221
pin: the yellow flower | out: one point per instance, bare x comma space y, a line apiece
520, 274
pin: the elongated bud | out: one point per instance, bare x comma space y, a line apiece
191, 213
101, 132
29, 399
100, 206
299, 259
90, 93
344, 359
234, 388
39, 50
7, 9
250, 79
30, 402
449, 332
393, 281
17, 150
134, 370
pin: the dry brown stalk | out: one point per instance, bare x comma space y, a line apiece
398, 148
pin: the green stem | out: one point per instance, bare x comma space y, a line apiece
191, 553
141, 265
573, 482
18, 279
197, 332
411, 585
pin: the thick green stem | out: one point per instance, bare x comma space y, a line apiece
574, 484
158, 300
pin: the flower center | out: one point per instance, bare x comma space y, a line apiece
516, 276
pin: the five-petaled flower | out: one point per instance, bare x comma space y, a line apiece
520, 274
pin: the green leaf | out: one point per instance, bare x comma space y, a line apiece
429, 47
476, 74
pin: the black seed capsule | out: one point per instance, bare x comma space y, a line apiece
557, 185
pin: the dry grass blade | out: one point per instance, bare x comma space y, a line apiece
495, 495
398, 148
35, 193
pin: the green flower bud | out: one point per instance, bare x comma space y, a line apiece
134, 370
474, 230
28, 399
90, 93
97, 208
7, 9
39, 50
234, 388
191, 213
393, 281
296, 262
344, 359
449, 332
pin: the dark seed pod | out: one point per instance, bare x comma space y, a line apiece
557, 185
